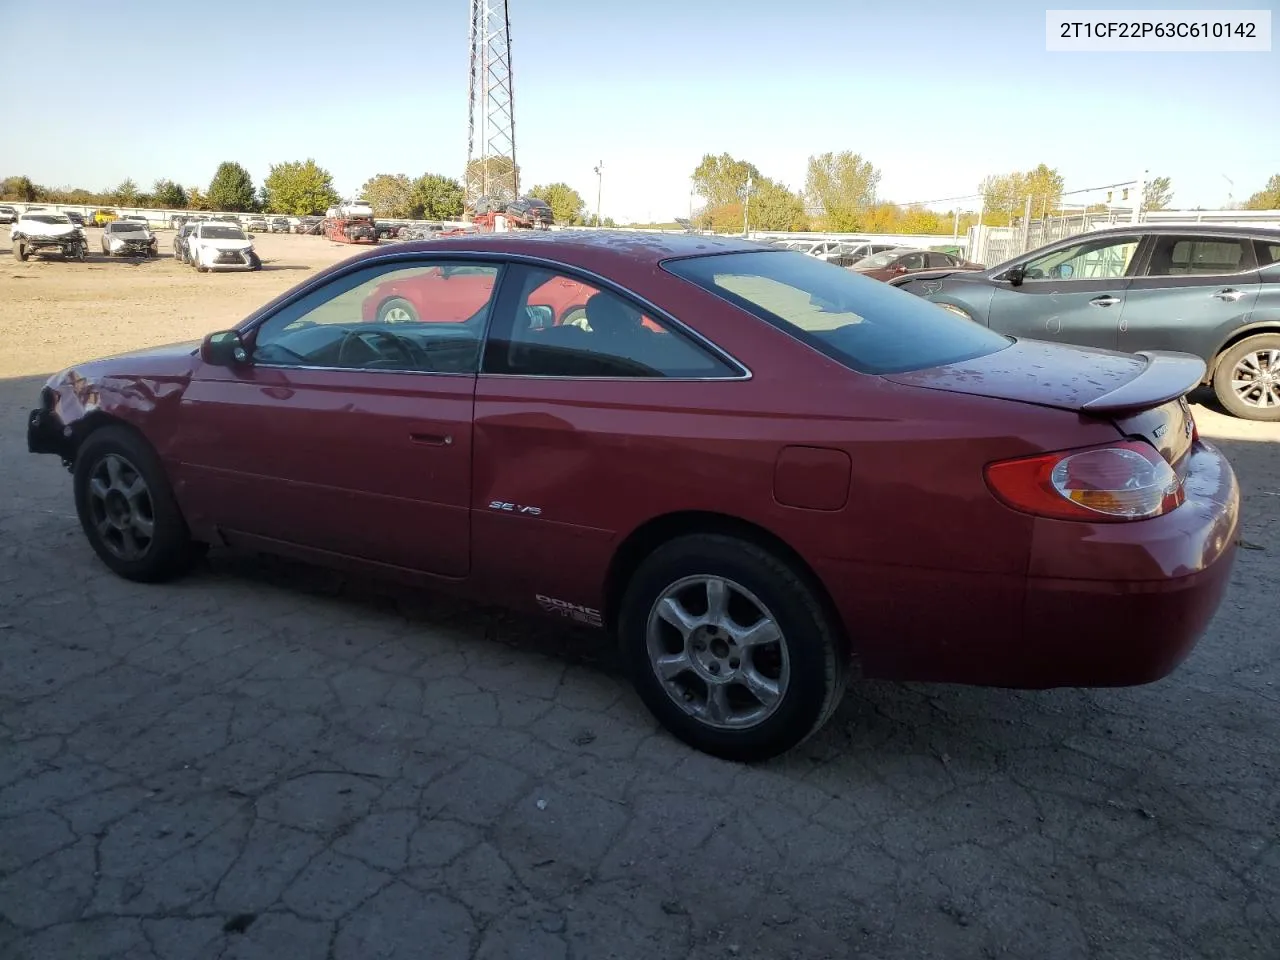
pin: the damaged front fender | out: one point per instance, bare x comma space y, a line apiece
79, 400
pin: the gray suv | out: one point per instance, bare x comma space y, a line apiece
1209, 290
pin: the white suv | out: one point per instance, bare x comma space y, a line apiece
217, 245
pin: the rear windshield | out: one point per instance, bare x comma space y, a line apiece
864, 324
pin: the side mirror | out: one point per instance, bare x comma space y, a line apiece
1015, 275
250, 236
540, 317
224, 349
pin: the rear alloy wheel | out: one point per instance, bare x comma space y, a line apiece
127, 509
397, 310
1247, 378
730, 648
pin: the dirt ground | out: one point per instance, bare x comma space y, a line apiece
56, 313
266, 760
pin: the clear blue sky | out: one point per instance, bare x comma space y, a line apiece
937, 95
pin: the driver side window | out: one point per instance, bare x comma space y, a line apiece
424, 317
1097, 259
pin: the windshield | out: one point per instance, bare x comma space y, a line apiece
879, 259
868, 326
126, 226
220, 232
47, 218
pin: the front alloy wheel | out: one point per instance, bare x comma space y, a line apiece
120, 507
127, 508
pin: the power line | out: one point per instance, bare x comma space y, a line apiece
978, 196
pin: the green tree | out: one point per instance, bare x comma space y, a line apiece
298, 188
493, 177
1006, 194
19, 188
196, 200
1268, 198
843, 185
774, 207
436, 197
1157, 194
390, 195
565, 202
231, 189
721, 180
169, 194
126, 194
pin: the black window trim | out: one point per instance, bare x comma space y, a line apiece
402, 262
398, 259
506, 315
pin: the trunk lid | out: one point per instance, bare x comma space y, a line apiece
1143, 394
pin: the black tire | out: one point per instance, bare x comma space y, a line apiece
255, 261
1227, 396
817, 655
395, 303
170, 551
20, 250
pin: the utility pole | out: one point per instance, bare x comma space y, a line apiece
746, 204
1137, 202
955, 227
1026, 225
599, 191
491, 127
1231, 185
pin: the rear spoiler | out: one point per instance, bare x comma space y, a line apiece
1166, 376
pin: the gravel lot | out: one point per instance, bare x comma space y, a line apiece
268, 760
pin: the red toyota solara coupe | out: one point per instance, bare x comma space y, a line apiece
759, 470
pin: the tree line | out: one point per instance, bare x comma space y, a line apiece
840, 195
296, 188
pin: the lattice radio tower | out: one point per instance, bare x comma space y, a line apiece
491, 124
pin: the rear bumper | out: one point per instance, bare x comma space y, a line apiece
1102, 605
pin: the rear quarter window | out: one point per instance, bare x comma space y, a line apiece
864, 324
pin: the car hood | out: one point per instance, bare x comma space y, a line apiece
1066, 377
34, 228
223, 244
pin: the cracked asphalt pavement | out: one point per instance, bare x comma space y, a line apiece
270, 760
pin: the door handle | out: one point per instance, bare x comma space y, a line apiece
432, 439
1104, 301
1231, 296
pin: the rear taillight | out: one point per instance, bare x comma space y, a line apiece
1128, 480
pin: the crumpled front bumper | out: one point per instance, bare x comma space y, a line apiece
46, 432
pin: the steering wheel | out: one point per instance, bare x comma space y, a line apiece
413, 355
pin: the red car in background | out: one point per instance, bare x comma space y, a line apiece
755, 468
904, 260
451, 295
